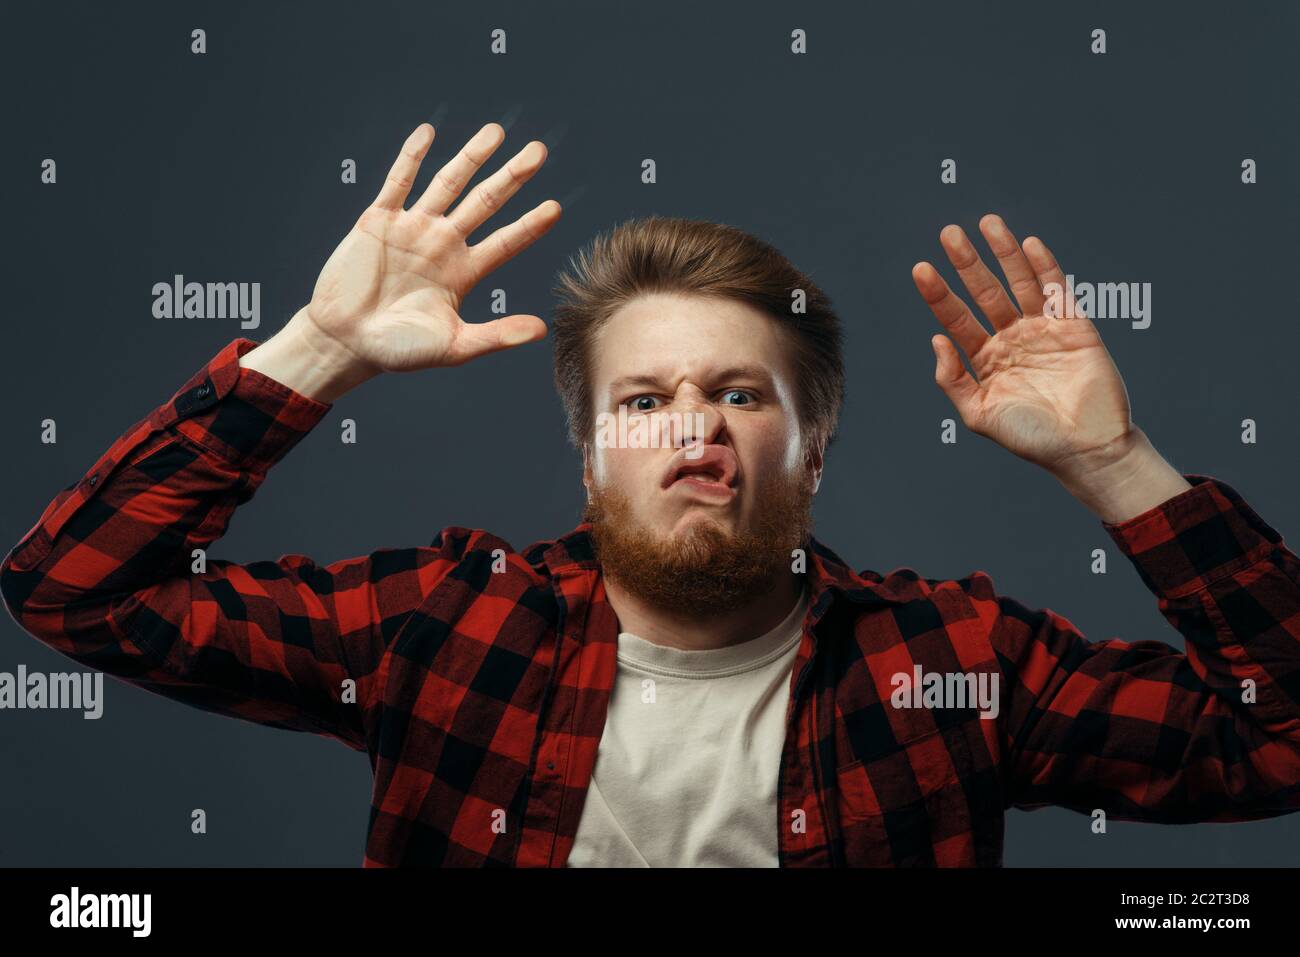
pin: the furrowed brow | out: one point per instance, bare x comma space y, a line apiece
732, 373
640, 381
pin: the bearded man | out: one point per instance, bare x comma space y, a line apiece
689, 677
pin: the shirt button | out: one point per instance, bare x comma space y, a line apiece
94, 479
201, 391
550, 765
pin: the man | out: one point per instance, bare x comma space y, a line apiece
688, 677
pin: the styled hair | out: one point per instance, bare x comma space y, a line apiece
675, 255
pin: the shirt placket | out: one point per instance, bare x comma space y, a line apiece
578, 699
802, 816
541, 820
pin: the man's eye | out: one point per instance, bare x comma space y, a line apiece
745, 397
637, 406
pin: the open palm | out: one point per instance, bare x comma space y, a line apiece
1045, 388
390, 293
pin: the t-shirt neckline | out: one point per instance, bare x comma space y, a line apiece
643, 655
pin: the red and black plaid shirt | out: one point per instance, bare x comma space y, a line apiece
477, 676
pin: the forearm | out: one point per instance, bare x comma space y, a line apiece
1140, 729
302, 359
1121, 483
116, 573
167, 486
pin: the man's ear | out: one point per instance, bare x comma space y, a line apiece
815, 460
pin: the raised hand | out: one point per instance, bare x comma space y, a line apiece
1045, 388
390, 294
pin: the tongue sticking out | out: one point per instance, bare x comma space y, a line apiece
704, 473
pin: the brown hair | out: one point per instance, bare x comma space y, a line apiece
669, 254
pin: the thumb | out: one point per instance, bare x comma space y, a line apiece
474, 339
951, 376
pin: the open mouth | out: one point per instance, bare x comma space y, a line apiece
704, 485
712, 471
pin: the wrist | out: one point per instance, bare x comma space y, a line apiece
304, 359
1124, 480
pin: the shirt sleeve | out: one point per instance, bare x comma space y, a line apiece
1138, 729
111, 575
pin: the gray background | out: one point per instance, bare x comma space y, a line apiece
225, 167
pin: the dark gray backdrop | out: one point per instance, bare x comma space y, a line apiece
225, 167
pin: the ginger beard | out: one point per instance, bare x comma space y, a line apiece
707, 569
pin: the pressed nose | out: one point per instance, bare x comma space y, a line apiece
701, 422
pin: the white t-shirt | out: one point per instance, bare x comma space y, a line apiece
687, 769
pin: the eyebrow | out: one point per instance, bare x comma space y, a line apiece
756, 373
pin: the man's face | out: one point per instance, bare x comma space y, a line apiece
736, 521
